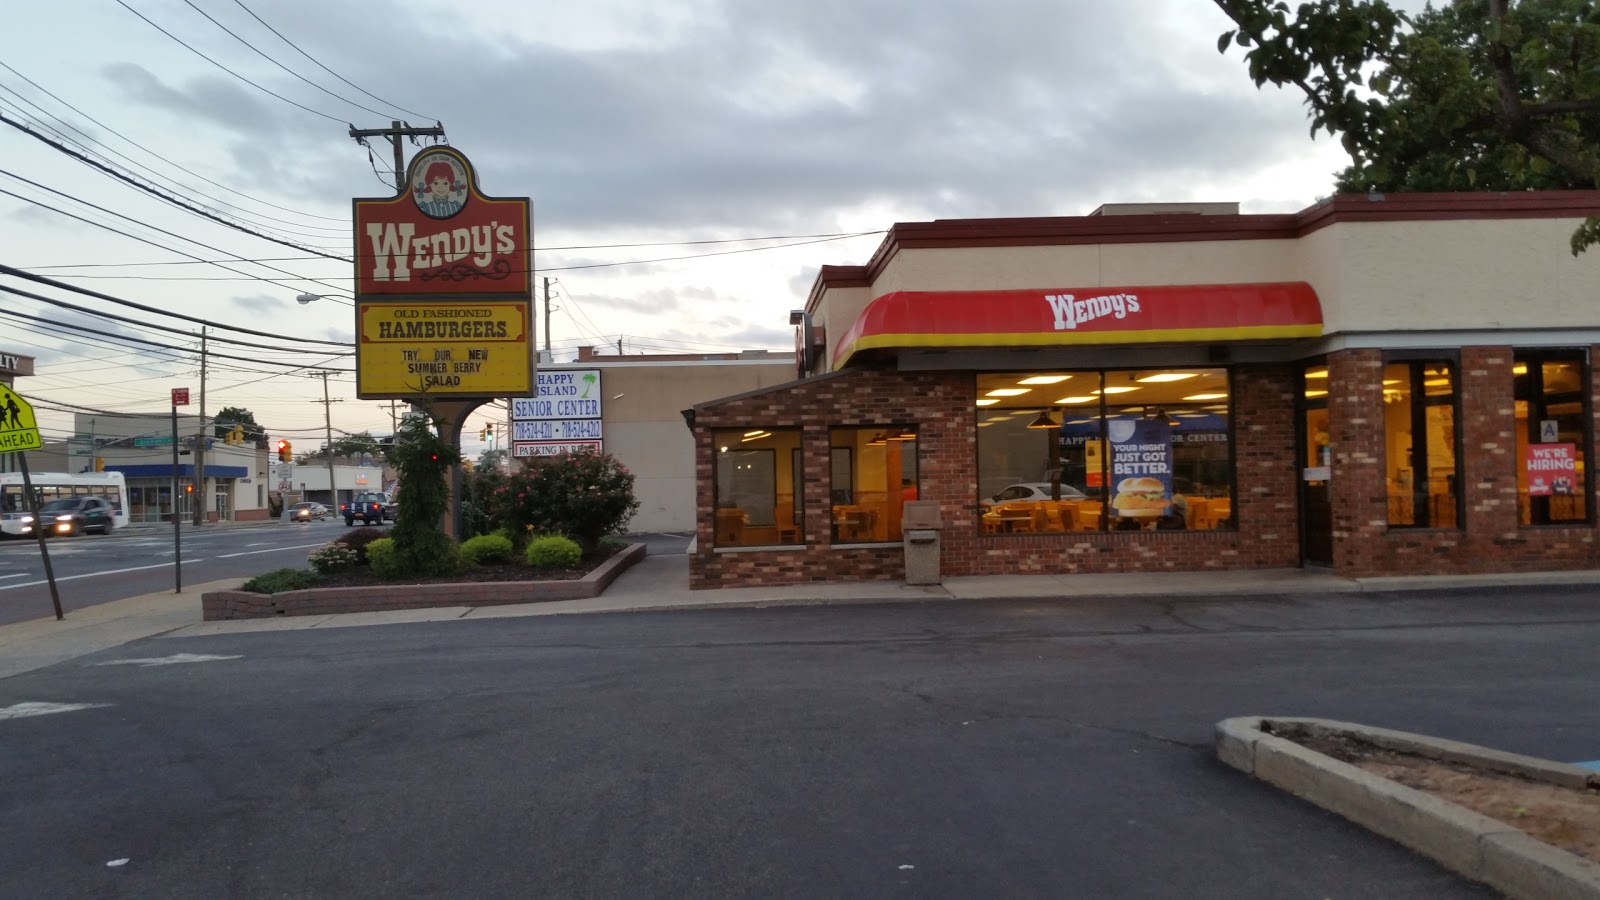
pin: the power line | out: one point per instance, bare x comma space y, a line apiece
144, 240
794, 237
280, 65
120, 337
169, 162
40, 279
86, 145
226, 69
157, 192
328, 70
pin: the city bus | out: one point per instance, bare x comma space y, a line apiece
15, 520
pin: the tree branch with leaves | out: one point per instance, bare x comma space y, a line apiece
1472, 95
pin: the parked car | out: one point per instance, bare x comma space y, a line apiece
1034, 490
77, 515
306, 512
371, 508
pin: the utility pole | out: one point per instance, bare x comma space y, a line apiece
394, 133
201, 504
394, 419
327, 419
547, 318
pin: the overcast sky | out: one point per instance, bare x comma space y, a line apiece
627, 122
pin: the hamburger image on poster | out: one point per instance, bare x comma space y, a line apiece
1140, 495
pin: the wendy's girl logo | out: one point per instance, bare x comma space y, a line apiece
439, 184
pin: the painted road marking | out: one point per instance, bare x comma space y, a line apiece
12, 587
24, 710
273, 550
14, 575
173, 660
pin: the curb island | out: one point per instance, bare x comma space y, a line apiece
1476, 846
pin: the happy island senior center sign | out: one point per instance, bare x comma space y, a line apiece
444, 287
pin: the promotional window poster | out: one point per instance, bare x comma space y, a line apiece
1141, 466
1552, 469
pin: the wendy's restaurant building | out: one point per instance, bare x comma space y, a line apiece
1379, 385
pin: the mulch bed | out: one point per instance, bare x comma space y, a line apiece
515, 571
1562, 817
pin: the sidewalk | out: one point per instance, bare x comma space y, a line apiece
660, 582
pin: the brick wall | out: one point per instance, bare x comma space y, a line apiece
941, 405
1492, 540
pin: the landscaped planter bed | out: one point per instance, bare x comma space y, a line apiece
360, 591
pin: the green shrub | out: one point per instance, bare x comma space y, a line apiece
486, 548
585, 495
279, 580
357, 539
334, 557
554, 551
381, 556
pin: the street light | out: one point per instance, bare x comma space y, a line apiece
303, 299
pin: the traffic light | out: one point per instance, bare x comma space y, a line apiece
485, 432
285, 451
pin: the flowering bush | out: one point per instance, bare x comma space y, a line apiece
335, 557
486, 548
585, 495
357, 539
554, 551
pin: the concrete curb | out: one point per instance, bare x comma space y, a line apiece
1466, 842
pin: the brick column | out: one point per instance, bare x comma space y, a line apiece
1357, 491
1487, 392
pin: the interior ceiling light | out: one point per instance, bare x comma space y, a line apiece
1206, 397
988, 401
756, 436
754, 433
1006, 392
1044, 379
1044, 421
1519, 369
1317, 373
1391, 381
1167, 376
1316, 393
1115, 390
1065, 400
1437, 382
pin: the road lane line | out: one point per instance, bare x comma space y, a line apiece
173, 660
14, 575
12, 587
273, 550
23, 710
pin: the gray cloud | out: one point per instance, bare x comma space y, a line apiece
260, 303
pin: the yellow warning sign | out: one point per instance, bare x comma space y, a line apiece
18, 430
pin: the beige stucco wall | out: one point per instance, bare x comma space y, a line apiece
839, 309
1456, 274
1462, 274
645, 430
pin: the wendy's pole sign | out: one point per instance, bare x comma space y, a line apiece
444, 287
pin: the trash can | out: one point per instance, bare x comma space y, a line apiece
920, 524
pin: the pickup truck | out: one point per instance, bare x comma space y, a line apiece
371, 508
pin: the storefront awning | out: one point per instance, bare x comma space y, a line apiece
1209, 313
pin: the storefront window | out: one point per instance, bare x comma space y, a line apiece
1104, 450
1552, 407
874, 472
1419, 416
756, 488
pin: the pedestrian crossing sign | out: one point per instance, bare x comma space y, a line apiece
18, 429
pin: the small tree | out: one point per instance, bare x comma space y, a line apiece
423, 461
585, 496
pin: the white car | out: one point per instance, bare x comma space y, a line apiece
1034, 490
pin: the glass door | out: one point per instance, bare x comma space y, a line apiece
1315, 469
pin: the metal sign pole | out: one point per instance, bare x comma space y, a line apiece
38, 531
177, 526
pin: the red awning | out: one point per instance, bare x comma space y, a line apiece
1208, 313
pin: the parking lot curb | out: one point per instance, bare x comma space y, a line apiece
1473, 845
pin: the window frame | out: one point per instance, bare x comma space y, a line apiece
851, 458
1538, 356
1416, 361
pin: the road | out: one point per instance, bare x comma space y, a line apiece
928, 750
94, 568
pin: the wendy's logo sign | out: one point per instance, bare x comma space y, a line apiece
441, 191
443, 236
